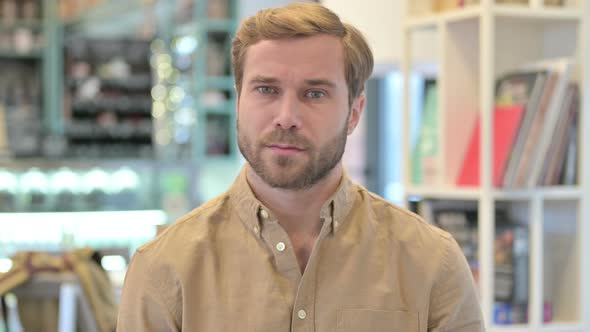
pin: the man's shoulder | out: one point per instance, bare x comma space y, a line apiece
402, 224
190, 228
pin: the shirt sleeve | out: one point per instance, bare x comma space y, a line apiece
454, 304
145, 301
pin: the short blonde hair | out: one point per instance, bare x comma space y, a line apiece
297, 20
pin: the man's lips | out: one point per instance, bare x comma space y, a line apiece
285, 147
285, 150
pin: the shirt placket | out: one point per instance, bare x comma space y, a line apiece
303, 316
278, 241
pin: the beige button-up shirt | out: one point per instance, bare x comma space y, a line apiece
229, 266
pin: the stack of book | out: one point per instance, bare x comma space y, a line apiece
444, 5
426, 148
534, 131
511, 271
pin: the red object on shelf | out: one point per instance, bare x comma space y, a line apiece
506, 125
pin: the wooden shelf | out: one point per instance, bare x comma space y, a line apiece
550, 13
469, 193
28, 24
562, 327
451, 193
109, 10
552, 327
35, 55
547, 193
432, 21
510, 328
466, 193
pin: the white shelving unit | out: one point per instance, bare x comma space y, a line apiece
473, 46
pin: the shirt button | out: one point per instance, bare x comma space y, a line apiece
256, 230
336, 223
264, 214
301, 314
281, 246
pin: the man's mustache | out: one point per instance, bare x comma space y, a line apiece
286, 137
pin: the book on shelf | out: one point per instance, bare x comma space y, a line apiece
506, 124
569, 174
533, 115
533, 98
425, 153
558, 147
516, 93
444, 5
545, 121
511, 270
461, 223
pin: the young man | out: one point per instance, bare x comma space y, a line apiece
294, 245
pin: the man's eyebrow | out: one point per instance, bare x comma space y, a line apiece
320, 82
263, 79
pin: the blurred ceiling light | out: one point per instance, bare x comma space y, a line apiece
65, 179
95, 179
5, 265
177, 94
163, 137
185, 117
185, 45
124, 178
159, 92
113, 263
158, 109
163, 58
158, 45
8, 181
34, 180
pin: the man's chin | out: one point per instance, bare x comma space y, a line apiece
283, 178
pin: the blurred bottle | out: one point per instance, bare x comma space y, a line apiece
95, 189
30, 10
22, 118
125, 190
8, 191
9, 12
65, 187
35, 190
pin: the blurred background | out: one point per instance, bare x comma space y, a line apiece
124, 112
118, 117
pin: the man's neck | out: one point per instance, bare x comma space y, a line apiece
297, 210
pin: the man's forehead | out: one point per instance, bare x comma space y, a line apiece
317, 57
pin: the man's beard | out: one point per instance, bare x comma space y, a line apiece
285, 172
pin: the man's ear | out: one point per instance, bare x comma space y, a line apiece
357, 108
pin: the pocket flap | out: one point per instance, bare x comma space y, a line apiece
361, 320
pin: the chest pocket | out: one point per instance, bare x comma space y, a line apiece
360, 320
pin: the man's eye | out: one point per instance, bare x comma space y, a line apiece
315, 94
265, 90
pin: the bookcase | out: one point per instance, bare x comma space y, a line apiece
28, 35
466, 48
209, 87
186, 152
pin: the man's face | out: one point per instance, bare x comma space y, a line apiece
293, 111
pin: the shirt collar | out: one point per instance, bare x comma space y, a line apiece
253, 213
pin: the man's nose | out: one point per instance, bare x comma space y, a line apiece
289, 112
